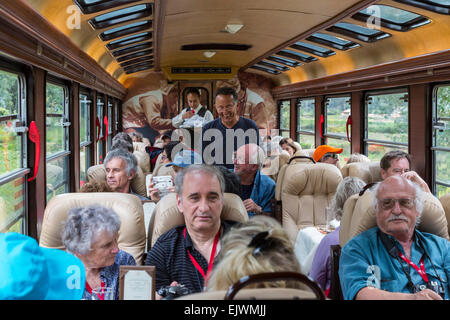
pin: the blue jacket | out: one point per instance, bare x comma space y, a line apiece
263, 191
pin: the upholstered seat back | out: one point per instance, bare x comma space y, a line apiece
306, 192
139, 146
274, 165
127, 206
167, 215
445, 201
143, 160
361, 216
98, 173
369, 172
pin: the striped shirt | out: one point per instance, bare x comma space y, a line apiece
170, 257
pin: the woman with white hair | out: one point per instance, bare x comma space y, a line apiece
321, 265
91, 234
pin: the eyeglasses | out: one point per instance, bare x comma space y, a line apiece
331, 155
387, 204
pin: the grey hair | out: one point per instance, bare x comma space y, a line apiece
418, 198
211, 170
256, 154
84, 226
128, 157
345, 189
357, 157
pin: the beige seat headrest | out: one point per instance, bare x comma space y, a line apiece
363, 217
139, 146
445, 201
98, 173
129, 208
143, 160
167, 215
369, 172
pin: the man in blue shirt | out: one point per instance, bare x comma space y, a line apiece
394, 260
257, 189
223, 136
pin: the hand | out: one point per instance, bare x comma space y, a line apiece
426, 294
414, 177
250, 205
188, 114
153, 192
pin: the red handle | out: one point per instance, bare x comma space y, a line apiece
320, 125
34, 136
97, 124
106, 122
349, 123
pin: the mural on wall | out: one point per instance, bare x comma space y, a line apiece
152, 102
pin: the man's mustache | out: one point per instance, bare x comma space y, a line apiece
398, 217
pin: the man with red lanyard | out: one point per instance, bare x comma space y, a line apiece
185, 255
395, 260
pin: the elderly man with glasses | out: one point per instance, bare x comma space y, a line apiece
394, 260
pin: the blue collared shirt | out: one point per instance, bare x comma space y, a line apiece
366, 262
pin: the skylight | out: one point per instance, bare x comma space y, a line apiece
332, 41
358, 32
121, 15
311, 48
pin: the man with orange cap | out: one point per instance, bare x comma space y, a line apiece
327, 154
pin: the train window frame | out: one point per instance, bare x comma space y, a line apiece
313, 49
264, 69
437, 125
388, 144
18, 176
286, 61
109, 130
298, 56
127, 14
100, 5
303, 132
132, 49
114, 33
402, 26
327, 40
337, 136
85, 144
352, 31
146, 52
273, 65
129, 40
131, 62
100, 106
62, 155
284, 132
427, 5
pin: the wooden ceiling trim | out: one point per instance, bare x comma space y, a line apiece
346, 13
159, 12
421, 69
37, 31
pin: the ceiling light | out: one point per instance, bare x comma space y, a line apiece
233, 28
209, 54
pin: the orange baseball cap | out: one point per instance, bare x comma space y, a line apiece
323, 149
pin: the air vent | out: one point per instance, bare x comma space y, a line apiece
202, 70
216, 46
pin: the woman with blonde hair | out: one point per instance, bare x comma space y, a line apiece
259, 245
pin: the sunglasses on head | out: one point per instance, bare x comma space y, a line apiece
387, 204
331, 155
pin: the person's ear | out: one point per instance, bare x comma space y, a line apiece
383, 173
132, 175
179, 203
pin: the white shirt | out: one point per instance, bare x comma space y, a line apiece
178, 120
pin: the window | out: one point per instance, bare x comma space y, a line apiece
268, 70
273, 65
441, 140
337, 111
286, 61
129, 40
296, 55
92, 6
100, 131
122, 15
439, 6
110, 130
125, 30
312, 48
116, 115
332, 41
358, 32
13, 164
137, 60
132, 49
305, 123
391, 17
85, 136
386, 123
285, 118
57, 152
135, 55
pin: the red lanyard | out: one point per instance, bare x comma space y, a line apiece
101, 296
421, 271
211, 258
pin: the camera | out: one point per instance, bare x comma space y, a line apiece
172, 292
432, 285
